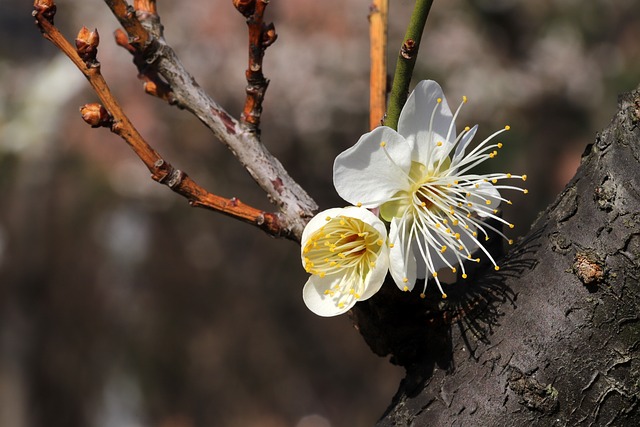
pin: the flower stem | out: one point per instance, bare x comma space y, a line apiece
406, 61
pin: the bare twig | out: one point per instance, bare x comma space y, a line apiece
295, 204
261, 36
378, 81
96, 115
406, 61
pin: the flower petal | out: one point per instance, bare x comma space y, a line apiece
485, 192
402, 265
366, 174
319, 300
376, 276
415, 118
462, 145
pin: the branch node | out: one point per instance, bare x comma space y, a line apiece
44, 8
408, 49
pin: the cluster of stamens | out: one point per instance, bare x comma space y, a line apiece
445, 207
347, 246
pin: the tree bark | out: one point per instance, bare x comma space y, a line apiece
552, 338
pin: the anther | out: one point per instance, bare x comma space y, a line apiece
406, 289
524, 177
525, 191
359, 204
499, 144
496, 268
383, 144
507, 127
444, 296
434, 274
439, 100
464, 275
422, 295
464, 99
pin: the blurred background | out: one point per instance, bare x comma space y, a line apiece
122, 306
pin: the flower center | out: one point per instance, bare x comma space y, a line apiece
344, 243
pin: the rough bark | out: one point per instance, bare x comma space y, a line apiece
550, 339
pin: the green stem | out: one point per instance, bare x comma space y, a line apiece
406, 61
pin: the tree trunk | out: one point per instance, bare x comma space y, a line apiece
551, 338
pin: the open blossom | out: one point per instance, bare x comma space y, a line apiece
423, 182
346, 252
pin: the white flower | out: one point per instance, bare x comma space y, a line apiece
421, 179
346, 252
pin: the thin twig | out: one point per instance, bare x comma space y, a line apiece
295, 204
261, 36
161, 170
406, 61
378, 23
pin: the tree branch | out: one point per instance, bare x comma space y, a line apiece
261, 36
112, 116
406, 61
295, 204
378, 22
551, 338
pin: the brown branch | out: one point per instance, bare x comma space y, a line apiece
295, 204
378, 23
139, 38
112, 116
153, 84
261, 36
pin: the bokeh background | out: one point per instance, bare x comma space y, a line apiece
122, 306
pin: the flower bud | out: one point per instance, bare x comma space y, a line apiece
95, 115
268, 35
47, 8
87, 45
147, 6
245, 7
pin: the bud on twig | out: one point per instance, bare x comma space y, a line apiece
408, 49
245, 7
96, 115
269, 35
46, 8
87, 46
148, 6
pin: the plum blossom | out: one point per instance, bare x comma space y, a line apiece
422, 180
346, 252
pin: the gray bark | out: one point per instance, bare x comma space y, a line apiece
552, 338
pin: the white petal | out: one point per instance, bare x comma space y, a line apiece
415, 117
365, 174
376, 276
485, 191
398, 268
462, 145
322, 304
